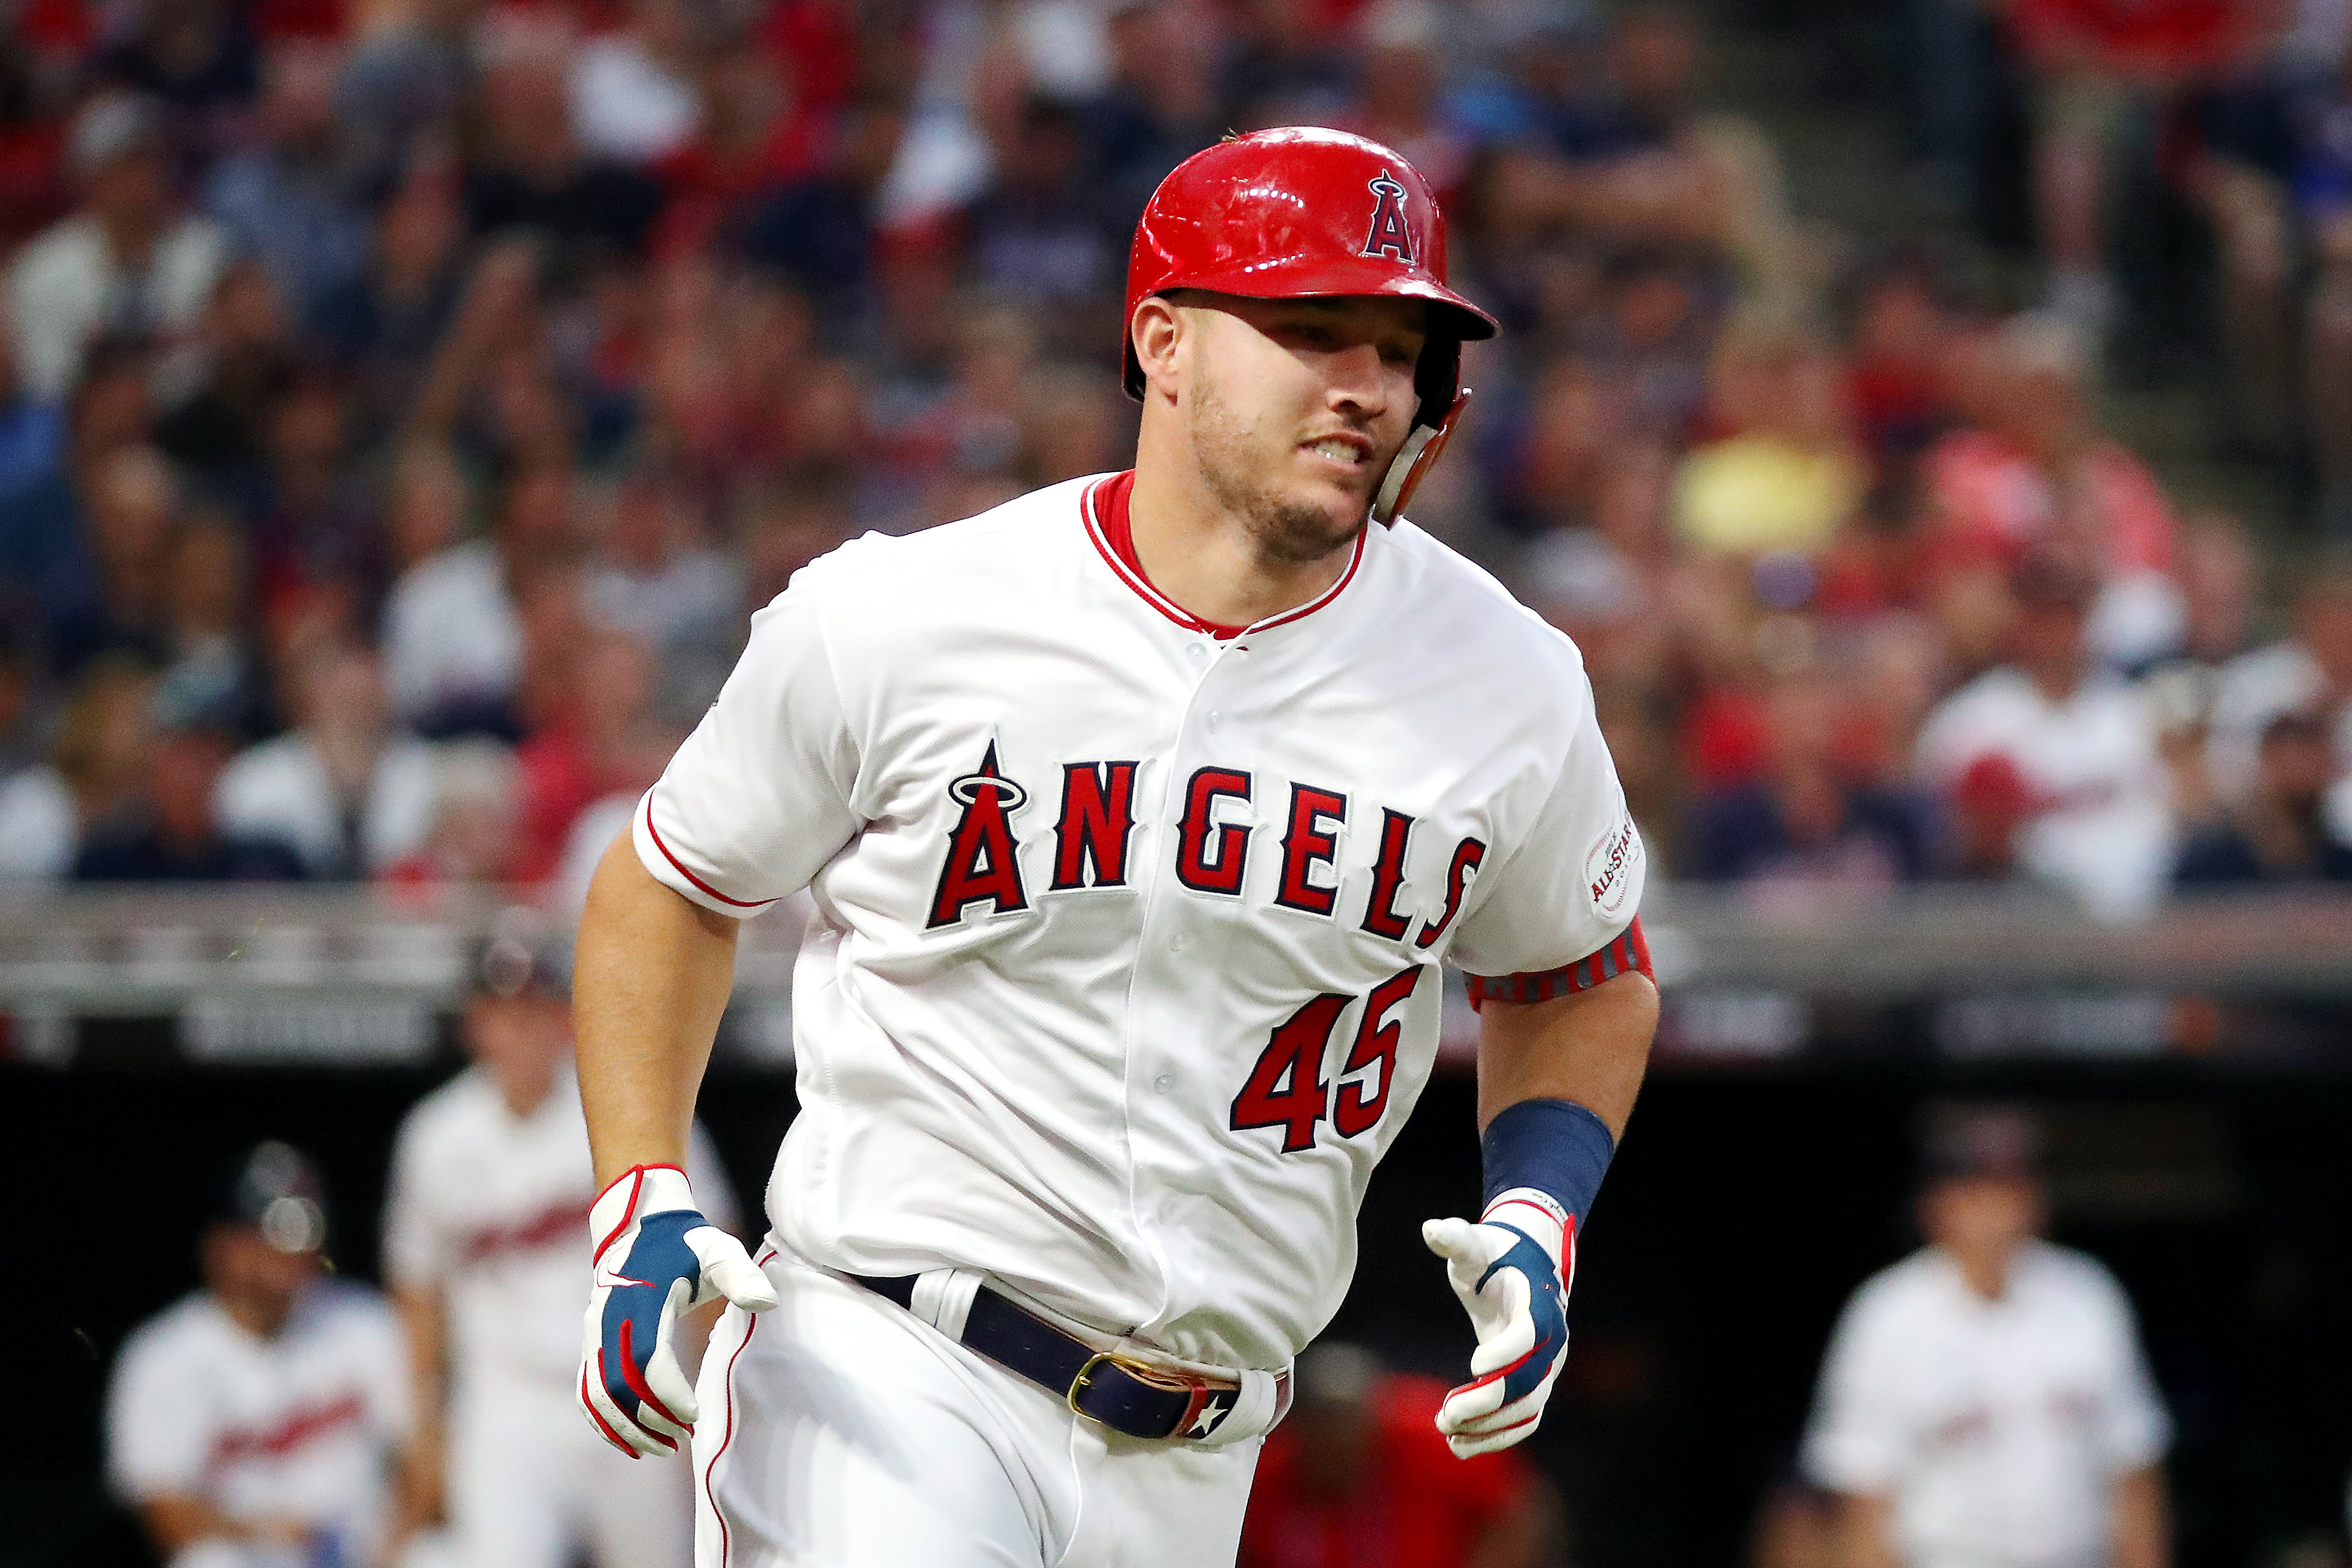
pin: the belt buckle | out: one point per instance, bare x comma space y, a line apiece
1133, 1368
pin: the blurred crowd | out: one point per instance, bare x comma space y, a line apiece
403, 403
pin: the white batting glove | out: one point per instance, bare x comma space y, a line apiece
1511, 1271
656, 1257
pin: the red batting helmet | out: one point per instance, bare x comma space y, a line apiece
1303, 212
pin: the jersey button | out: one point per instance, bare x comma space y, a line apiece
1196, 651
1179, 942
1163, 1083
1215, 720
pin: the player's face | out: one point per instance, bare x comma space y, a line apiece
1295, 408
1981, 1216
258, 1282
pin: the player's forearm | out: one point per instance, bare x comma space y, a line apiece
1590, 1047
650, 979
2142, 1520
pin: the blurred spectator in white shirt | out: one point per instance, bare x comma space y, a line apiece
2311, 672
634, 96
128, 259
453, 637
1984, 1401
661, 580
349, 794
474, 807
2082, 742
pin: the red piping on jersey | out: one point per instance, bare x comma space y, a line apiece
727, 1384
1103, 508
656, 832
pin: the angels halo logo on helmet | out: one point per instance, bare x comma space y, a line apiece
1305, 213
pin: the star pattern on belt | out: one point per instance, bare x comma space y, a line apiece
1212, 1410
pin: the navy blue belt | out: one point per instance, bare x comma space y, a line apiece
1123, 1394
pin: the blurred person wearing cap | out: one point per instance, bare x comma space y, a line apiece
1984, 1402
126, 259
2309, 671
485, 1228
1358, 1475
2081, 742
263, 1421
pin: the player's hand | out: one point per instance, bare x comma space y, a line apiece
656, 1258
1511, 1271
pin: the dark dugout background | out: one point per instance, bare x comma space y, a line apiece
1745, 1205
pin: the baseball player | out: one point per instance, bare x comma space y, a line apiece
1984, 1401
263, 1421
490, 1193
1138, 814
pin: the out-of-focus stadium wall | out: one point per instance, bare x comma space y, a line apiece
2195, 1074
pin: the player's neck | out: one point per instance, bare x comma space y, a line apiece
1207, 559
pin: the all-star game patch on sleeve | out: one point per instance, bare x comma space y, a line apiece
1628, 953
1556, 913
758, 798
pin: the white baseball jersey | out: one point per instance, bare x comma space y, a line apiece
492, 1209
304, 1425
2105, 827
1124, 965
1997, 1427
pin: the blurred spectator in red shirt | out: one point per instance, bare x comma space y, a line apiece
1894, 379
602, 743
1358, 1475
2033, 468
2103, 70
472, 839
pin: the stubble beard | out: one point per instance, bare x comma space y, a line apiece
1286, 531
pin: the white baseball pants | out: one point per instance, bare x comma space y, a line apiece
531, 1485
839, 1431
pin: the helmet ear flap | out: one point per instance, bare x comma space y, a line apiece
1413, 460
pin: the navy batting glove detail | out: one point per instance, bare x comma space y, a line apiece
634, 1310
656, 1258
1547, 1310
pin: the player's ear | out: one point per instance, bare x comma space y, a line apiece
1156, 330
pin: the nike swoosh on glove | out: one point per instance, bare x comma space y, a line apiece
1508, 1272
656, 1258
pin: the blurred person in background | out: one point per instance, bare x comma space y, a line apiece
110, 408
344, 790
472, 840
1358, 1475
453, 634
1786, 474
2282, 833
196, 59
2103, 77
533, 172
602, 738
211, 674
127, 259
1806, 823
288, 200
1985, 1399
2081, 743
106, 594
634, 89
2308, 672
2032, 468
92, 780
660, 580
31, 429
485, 1239
265, 1421
172, 831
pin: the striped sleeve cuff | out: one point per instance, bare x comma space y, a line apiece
1628, 951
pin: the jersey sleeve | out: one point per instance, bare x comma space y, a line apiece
416, 1250
159, 1423
758, 798
1857, 1440
1567, 891
708, 1176
2131, 1427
